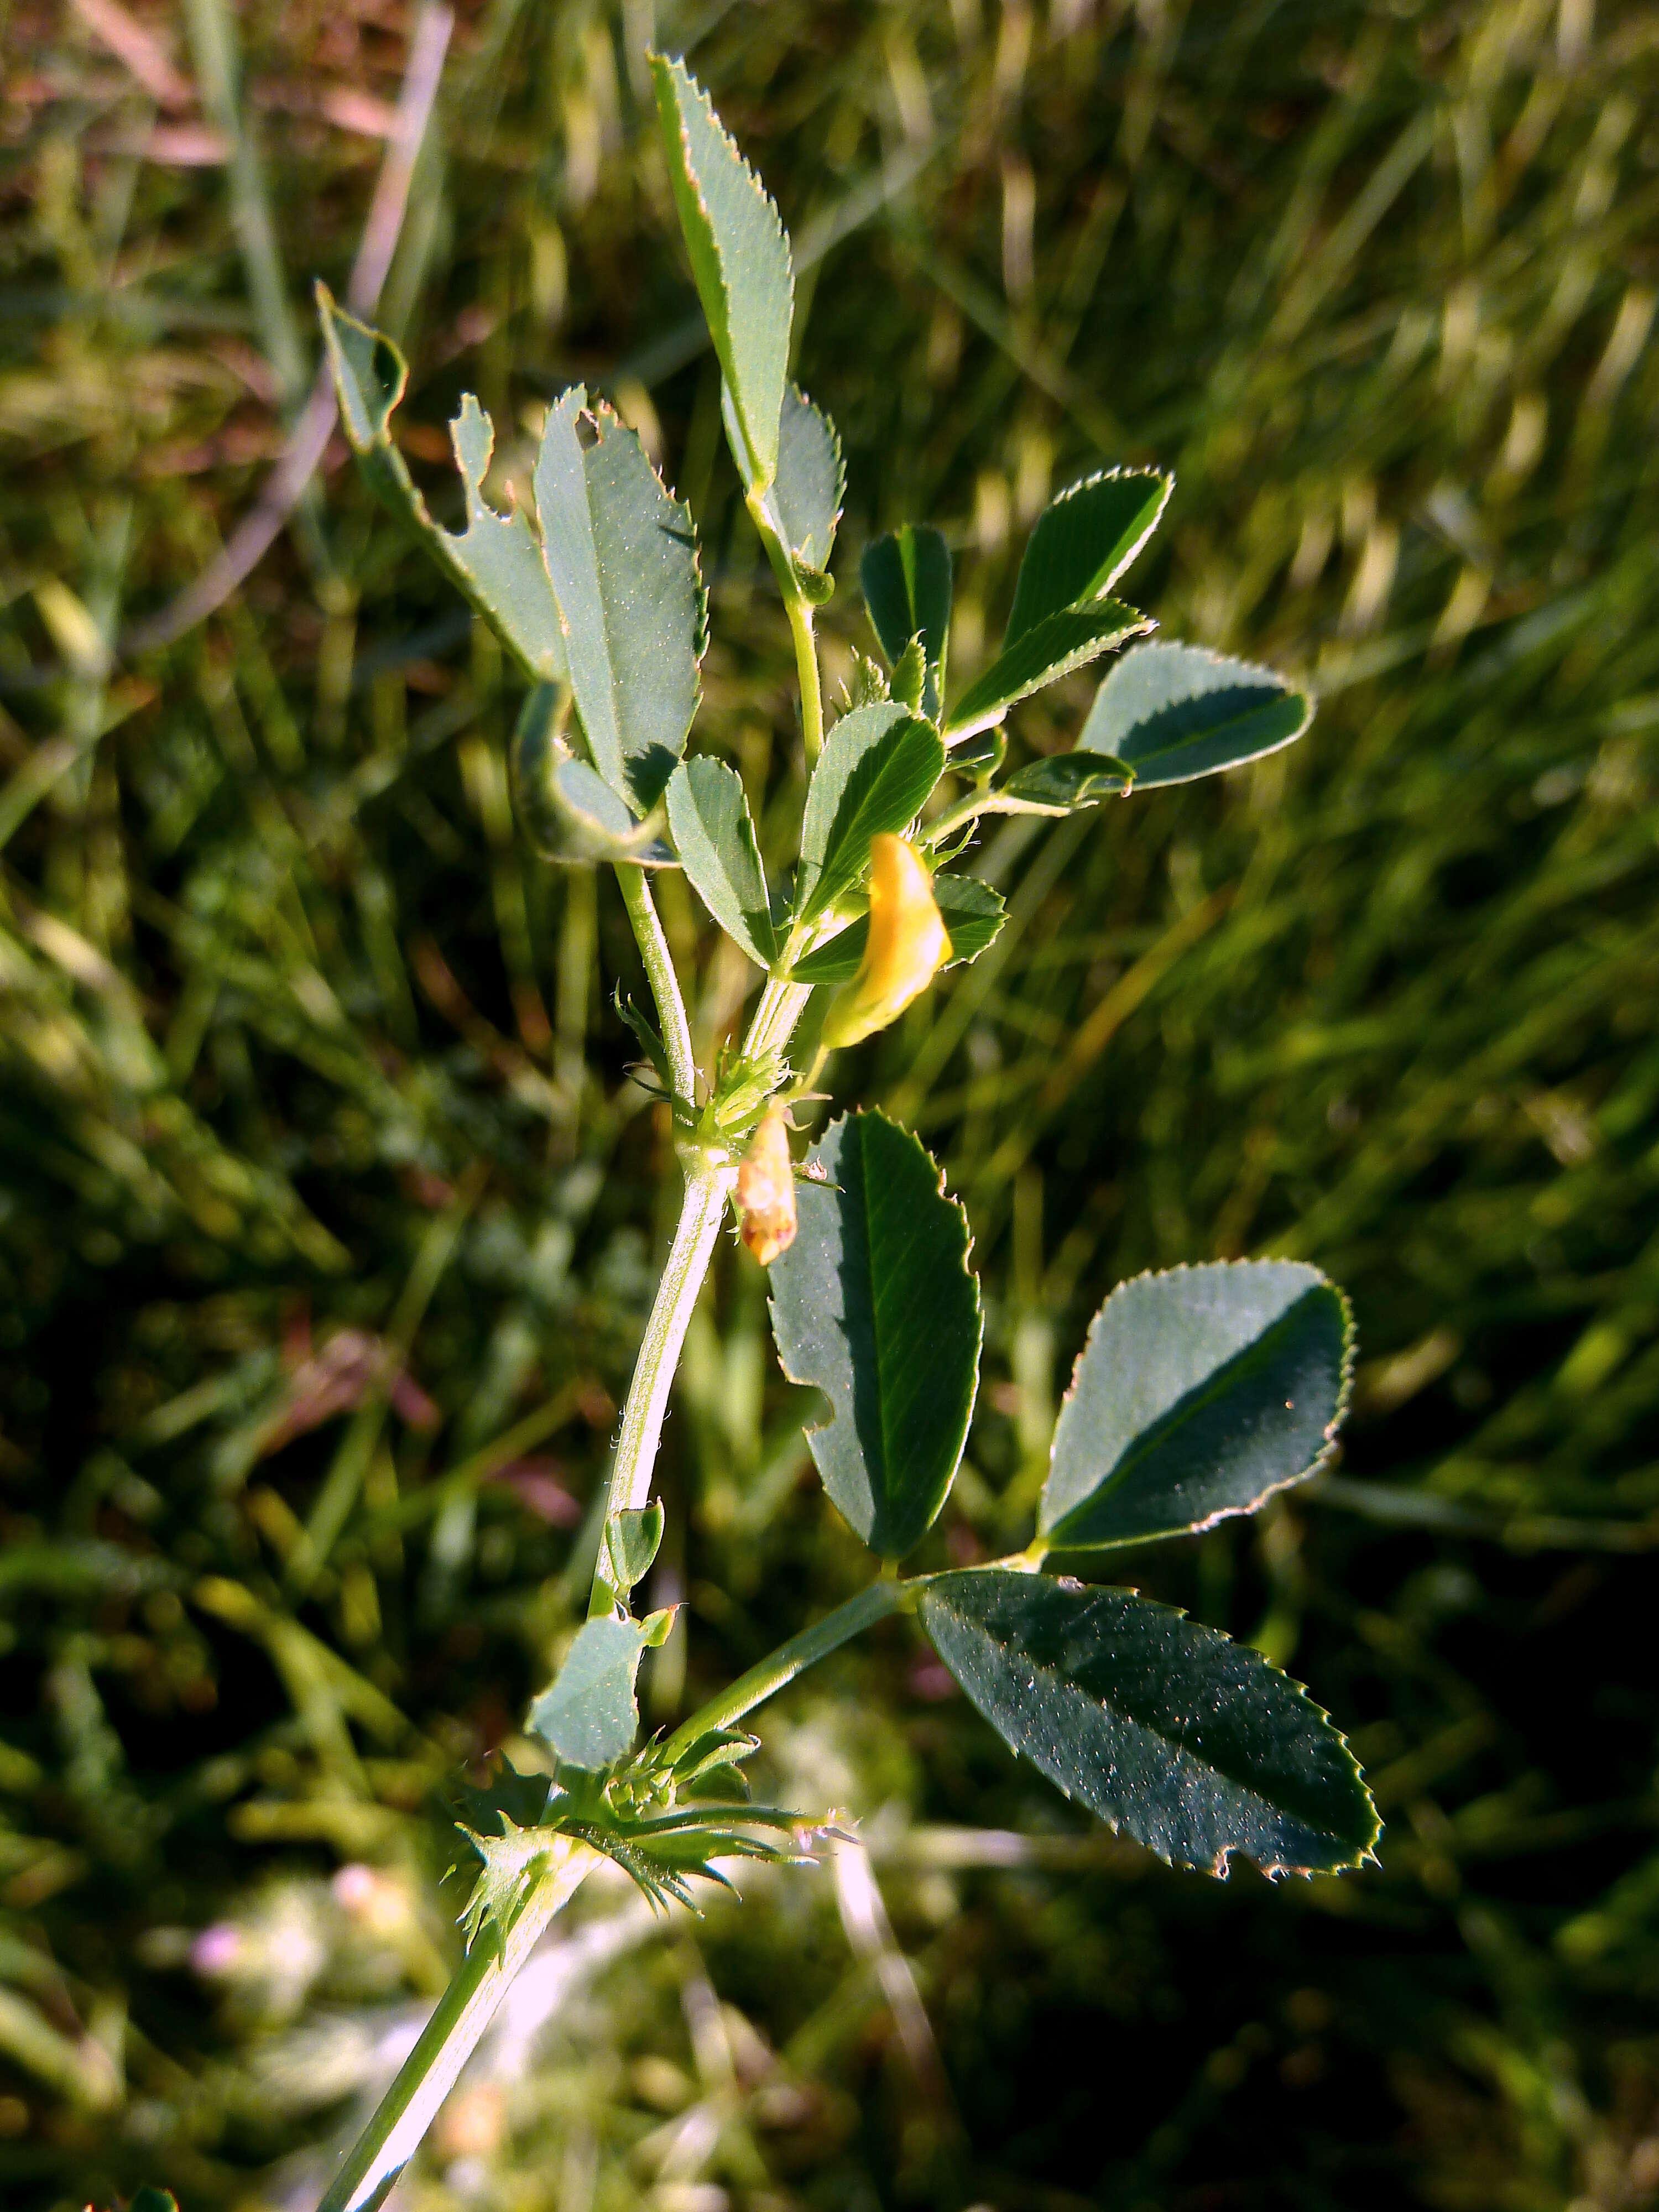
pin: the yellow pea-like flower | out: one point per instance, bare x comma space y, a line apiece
766, 1189
908, 944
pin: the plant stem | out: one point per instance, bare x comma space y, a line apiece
659, 974
798, 608
449, 2037
779, 1668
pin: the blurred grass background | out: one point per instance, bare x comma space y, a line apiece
328, 1218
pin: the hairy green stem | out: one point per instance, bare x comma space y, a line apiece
798, 608
450, 2037
779, 1669
659, 974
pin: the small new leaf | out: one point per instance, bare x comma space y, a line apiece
1190, 1743
631, 1543
495, 561
588, 1714
878, 767
874, 1304
739, 263
715, 834
1064, 783
1175, 712
805, 499
1199, 1393
906, 578
621, 556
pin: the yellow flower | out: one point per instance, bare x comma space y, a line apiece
907, 947
766, 1189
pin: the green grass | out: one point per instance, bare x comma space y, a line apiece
299, 1038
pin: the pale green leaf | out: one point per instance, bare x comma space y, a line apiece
623, 558
812, 479
739, 262
1083, 542
1063, 783
1057, 645
588, 1714
631, 1543
566, 808
1175, 712
496, 559
1191, 1744
906, 580
878, 767
709, 815
874, 1304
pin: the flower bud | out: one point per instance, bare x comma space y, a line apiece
766, 1189
907, 946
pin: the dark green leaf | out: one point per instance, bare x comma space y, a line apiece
568, 810
876, 769
973, 914
1051, 650
906, 579
1064, 783
1175, 712
588, 1714
496, 559
1084, 542
739, 262
709, 817
812, 479
874, 1304
623, 558
1199, 1393
1190, 1743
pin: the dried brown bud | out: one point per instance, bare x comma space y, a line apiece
766, 1188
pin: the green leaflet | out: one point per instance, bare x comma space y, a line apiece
973, 914
567, 809
1197, 1393
495, 560
739, 262
876, 769
1063, 783
588, 1713
631, 1544
714, 836
906, 580
1190, 1743
622, 555
1050, 650
1083, 542
1175, 712
812, 479
874, 1304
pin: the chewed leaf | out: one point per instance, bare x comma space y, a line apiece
1175, 712
1051, 649
1188, 1742
715, 835
1083, 542
973, 914
906, 578
1199, 1393
622, 557
588, 1714
739, 262
878, 767
568, 810
874, 1304
812, 479
495, 561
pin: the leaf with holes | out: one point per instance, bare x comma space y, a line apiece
1048, 650
714, 836
1187, 1741
906, 579
739, 263
1199, 1393
1083, 542
495, 560
1175, 712
623, 558
972, 912
875, 1305
878, 768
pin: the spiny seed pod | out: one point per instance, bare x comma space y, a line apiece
766, 1188
908, 944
